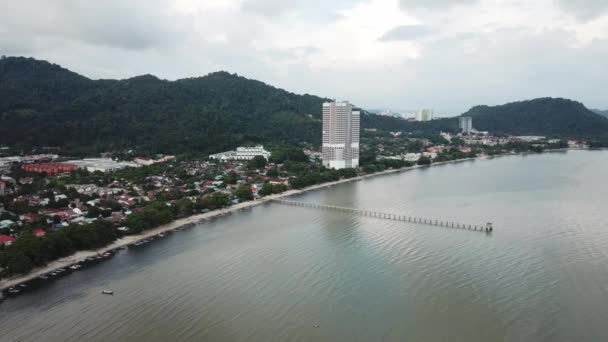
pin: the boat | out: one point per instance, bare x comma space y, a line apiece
43, 277
107, 292
13, 291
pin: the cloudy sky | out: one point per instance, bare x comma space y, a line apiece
400, 54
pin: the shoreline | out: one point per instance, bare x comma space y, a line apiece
80, 256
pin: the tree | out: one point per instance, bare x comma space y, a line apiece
274, 172
16, 261
213, 201
93, 212
424, 160
185, 207
244, 193
231, 178
258, 162
266, 190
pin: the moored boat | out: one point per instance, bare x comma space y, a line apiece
13, 291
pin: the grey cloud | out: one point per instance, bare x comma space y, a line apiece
268, 8
584, 9
506, 66
121, 24
434, 4
406, 32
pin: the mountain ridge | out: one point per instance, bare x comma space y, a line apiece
545, 116
44, 104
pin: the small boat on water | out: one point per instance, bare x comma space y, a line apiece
13, 291
107, 292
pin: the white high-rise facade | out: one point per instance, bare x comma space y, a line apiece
341, 126
424, 115
466, 124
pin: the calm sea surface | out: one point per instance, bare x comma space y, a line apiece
278, 273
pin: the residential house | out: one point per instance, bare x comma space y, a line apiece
6, 240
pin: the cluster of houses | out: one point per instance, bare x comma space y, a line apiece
52, 210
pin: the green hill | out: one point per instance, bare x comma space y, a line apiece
603, 113
43, 104
544, 116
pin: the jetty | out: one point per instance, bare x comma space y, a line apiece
487, 228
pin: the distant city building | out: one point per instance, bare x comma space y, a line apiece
51, 169
242, 153
466, 124
341, 129
529, 138
424, 115
150, 161
102, 164
7, 162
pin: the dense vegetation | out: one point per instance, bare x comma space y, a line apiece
603, 113
42, 104
30, 251
544, 116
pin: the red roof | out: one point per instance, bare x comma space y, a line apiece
4, 239
39, 232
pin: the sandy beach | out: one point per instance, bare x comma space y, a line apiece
198, 218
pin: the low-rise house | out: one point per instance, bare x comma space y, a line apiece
94, 202
242, 153
412, 157
149, 161
30, 218
6, 240
5, 189
127, 201
51, 169
39, 232
430, 155
60, 197
6, 224
275, 181
26, 180
436, 149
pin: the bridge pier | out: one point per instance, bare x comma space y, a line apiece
388, 216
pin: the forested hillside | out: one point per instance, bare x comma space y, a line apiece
545, 116
42, 104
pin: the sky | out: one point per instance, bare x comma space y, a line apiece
447, 55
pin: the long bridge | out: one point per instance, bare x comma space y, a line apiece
390, 216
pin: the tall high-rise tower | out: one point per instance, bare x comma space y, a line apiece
466, 124
424, 115
340, 135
